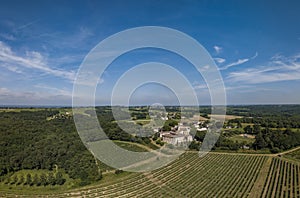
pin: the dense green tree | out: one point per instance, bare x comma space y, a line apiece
239, 124
21, 180
200, 135
51, 178
194, 145
43, 179
14, 179
36, 180
33, 142
28, 179
59, 178
118, 171
259, 141
256, 129
248, 129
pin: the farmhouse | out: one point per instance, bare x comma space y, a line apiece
180, 136
176, 139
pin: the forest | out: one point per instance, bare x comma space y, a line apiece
31, 142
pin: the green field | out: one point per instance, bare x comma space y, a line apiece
241, 139
21, 109
130, 146
214, 175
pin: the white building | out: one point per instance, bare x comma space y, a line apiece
176, 139
202, 129
180, 136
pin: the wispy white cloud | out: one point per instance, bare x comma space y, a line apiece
54, 90
280, 68
238, 62
14, 69
9, 37
77, 39
27, 25
31, 60
196, 85
220, 60
218, 49
17, 97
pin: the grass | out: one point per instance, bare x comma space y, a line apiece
143, 122
227, 117
81, 110
241, 139
295, 155
21, 109
130, 146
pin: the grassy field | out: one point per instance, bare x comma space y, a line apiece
21, 109
241, 139
214, 175
143, 122
227, 117
130, 146
295, 155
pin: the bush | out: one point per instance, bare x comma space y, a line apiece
275, 150
118, 171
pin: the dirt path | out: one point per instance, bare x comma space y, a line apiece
248, 154
288, 151
136, 144
258, 187
254, 154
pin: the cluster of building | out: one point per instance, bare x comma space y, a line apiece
179, 135
200, 126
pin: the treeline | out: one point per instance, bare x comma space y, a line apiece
276, 140
264, 110
274, 121
223, 143
29, 141
131, 133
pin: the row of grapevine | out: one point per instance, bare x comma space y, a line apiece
283, 179
214, 175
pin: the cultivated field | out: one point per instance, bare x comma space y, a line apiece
227, 117
214, 175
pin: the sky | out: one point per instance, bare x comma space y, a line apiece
255, 45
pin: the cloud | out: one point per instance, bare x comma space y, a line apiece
79, 39
31, 60
54, 90
218, 49
27, 25
239, 62
8, 37
14, 69
16, 97
220, 60
196, 85
280, 68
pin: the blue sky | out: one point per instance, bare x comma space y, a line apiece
255, 44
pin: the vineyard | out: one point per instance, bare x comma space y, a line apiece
283, 180
214, 175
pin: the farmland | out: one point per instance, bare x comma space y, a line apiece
283, 179
214, 175
250, 159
